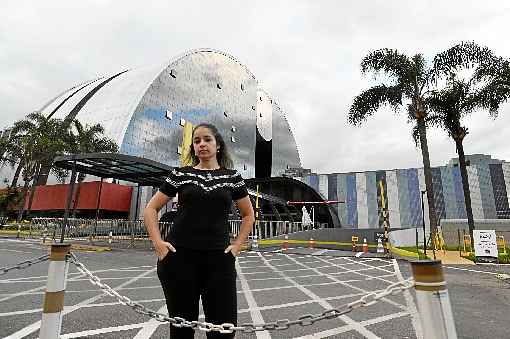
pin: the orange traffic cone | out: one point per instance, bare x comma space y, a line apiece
285, 244
365, 245
311, 243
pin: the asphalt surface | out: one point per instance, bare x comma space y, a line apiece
271, 286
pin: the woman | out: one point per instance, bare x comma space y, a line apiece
197, 259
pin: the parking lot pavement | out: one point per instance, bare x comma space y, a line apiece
271, 286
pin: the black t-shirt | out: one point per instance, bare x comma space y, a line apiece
205, 201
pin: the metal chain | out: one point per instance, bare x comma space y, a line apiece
305, 320
24, 264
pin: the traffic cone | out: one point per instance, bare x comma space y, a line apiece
285, 244
110, 237
380, 247
365, 245
311, 243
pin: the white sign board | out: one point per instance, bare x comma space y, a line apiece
485, 243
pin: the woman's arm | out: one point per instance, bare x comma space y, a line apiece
248, 218
150, 216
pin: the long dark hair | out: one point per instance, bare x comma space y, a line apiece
223, 157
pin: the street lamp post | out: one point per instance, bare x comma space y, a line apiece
423, 223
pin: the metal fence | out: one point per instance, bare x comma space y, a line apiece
271, 229
125, 233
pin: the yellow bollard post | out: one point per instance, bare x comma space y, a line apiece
51, 322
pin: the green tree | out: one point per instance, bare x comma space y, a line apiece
89, 139
486, 88
407, 82
39, 139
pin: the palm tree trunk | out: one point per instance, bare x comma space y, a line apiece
14, 182
465, 186
81, 177
428, 175
23, 199
32, 190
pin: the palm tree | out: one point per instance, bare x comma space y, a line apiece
89, 139
39, 139
409, 80
487, 88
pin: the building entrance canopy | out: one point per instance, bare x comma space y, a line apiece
141, 171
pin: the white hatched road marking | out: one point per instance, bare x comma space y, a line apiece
357, 326
255, 314
148, 328
35, 326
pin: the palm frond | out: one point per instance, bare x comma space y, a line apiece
389, 61
367, 103
467, 54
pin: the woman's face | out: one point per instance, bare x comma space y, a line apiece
204, 144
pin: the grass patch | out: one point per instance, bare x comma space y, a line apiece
502, 258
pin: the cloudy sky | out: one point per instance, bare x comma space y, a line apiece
304, 53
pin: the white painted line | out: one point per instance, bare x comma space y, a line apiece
413, 311
150, 326
88, 291
35, 326
356, 326
101, 331
256, 316
469, 270
320, 252
73, 308
16, 251
339, 330
389, 301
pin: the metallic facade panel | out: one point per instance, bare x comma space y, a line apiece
352, 201
438, 194
264, 115
403, 198
72, 99
506, 177
194, 97
362, 207
500, 191
474, 189
414, 197
285, 152
486, 191
371, 186
323, 185
450, 199
341, 194
393, 202
459, 193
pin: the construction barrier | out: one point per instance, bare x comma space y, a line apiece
500, 240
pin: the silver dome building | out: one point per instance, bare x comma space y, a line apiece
150, 111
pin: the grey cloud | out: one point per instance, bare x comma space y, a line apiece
306, 54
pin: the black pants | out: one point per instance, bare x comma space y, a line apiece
188, 275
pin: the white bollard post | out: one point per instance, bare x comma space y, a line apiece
110, 237
433, 300
255, 244
51, 322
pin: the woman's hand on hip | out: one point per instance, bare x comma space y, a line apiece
162, 248
235, 249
